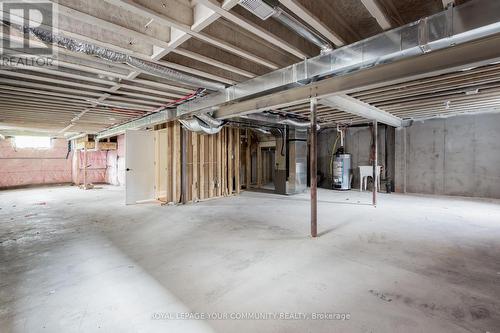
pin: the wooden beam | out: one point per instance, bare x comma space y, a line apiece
124, 31
213, 62
377, 12
183, 29
253, 28
356, 107
313, 21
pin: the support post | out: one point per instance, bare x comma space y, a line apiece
375, 162
248, 163
314, 169
405, 161
85, 162
184, 175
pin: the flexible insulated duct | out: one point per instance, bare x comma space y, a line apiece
118, 57
197, 126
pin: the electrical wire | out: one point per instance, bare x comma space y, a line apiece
198, 93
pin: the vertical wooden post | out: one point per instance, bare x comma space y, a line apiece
194, 187
85, 166
237, 142
375, 162
230, 161
211, 159
184, 159
176, 167
314, 169
168, 169
202, 167
248, 163
259, 166
219, 163
224, 161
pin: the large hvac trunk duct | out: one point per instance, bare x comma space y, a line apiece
118, 57
461, 24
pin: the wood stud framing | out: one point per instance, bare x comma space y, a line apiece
212, 164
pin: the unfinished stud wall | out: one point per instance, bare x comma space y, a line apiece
96, 166
212, 164
451, 156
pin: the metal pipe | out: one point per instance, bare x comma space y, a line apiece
302, 30
375, 162
314, 169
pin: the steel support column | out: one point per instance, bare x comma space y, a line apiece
314, 168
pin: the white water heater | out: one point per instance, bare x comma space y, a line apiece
342, 172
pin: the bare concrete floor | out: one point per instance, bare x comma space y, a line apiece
76, 261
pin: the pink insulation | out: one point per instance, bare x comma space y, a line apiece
29, 166
115, 174
96, 166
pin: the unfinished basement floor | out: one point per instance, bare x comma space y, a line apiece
81, 261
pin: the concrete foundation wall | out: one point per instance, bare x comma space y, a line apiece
357, 143
450, 156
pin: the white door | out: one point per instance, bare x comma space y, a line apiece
139, 166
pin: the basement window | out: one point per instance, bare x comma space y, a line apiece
38, 142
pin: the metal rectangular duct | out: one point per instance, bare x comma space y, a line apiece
471, 21
258, 7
